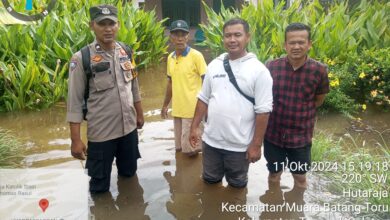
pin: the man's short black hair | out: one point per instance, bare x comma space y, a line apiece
234, 21
297, 27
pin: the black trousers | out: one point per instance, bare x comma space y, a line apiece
101, 155
298, 160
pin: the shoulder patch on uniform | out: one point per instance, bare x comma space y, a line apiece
123, 52
73, 64
97, 58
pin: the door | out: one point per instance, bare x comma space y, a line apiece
188, 10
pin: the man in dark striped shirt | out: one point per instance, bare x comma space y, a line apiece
300, 86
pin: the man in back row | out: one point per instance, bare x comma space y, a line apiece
185, 69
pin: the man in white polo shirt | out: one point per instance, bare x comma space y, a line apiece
235, 127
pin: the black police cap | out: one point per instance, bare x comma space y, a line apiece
101, 12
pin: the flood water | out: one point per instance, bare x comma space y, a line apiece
168, 185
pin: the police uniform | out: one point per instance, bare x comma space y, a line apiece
113, 89
111, 117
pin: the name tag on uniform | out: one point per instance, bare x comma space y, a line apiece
127, 65
127, 68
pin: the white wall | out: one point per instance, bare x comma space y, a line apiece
136, 2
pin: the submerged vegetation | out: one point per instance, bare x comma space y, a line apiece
11, 150
358, 173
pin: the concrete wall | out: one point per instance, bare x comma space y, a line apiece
156, 5
203, 16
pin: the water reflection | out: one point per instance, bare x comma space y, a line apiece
129, 201
217, 200
369, 129
191, 198
185, 187
275, 197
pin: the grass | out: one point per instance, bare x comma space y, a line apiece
359, 168
11, 150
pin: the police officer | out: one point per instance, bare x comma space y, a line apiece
114, 103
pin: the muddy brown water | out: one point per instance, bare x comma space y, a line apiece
168, 185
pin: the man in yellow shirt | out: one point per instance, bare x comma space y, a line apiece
185, 69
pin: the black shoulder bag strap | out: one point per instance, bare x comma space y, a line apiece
232, 79
86, 58
128, 50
